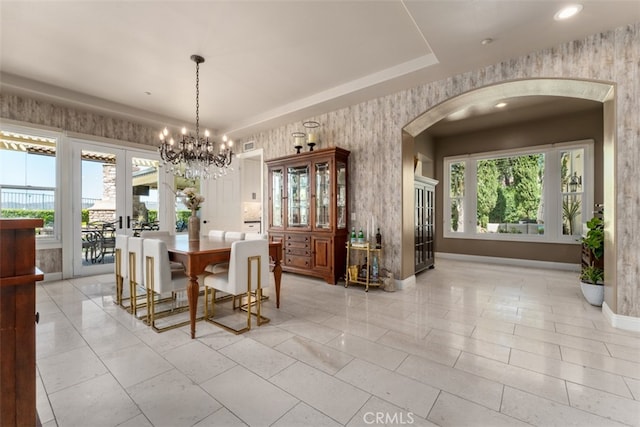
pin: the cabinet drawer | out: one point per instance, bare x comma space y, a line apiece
297, 261
298, 251
296, 245
298, 238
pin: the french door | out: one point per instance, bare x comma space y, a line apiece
117, 191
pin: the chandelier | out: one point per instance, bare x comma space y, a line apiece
192, 156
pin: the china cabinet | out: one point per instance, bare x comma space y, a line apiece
308, 208
424, 232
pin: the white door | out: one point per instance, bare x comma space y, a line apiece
116, 191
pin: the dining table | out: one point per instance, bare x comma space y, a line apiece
195, 255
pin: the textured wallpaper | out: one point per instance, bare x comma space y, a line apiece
372, 132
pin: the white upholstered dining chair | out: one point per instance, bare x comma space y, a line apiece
162, 284
248, 271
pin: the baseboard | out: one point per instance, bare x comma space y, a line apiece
51, 277
619, 321
516, 262
406, 283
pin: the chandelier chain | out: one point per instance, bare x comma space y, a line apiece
197, 100
193, 156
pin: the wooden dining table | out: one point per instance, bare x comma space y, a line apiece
196, 255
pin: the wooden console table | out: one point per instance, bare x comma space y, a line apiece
18, 276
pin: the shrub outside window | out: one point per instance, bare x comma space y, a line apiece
535, 194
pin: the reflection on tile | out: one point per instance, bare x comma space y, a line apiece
134, 364
601, 362
470, 345
373, 352
66, 369
604, 404
257, 357
104, 401
406, 393
541, 412
172, 399
542, 385
318, 355
339, 356
518, 342
455, 381
571, 372
252, 399
198, 361
331, 396
450, 410
420, 347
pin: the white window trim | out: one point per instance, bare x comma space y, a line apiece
55, 240
551, 182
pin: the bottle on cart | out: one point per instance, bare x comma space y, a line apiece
353, 235
378, 239
374, 268
363, 269
360, 236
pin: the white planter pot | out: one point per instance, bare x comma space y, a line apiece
594, 294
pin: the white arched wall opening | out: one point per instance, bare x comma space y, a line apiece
572, 88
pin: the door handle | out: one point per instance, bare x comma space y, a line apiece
120, 222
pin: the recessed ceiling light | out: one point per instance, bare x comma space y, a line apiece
567, 12
486, 41
501, 104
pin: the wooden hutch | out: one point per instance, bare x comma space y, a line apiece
308, 211
18, 318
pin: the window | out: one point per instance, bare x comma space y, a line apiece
536, 194
28, 179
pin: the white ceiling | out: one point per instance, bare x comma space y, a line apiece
267, 62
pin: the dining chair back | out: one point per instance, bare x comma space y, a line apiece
248, 270
121, 266
161, 279
216, 234
136, 271
234, 235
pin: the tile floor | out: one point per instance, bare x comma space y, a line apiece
470, 344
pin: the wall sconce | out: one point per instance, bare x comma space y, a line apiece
298, 138
312, 133
575, 182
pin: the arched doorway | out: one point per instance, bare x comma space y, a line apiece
602, 92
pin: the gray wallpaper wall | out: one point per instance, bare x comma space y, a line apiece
372, 132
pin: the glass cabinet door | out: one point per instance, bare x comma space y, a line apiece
298, 197
341, 214
323, 195
277, 184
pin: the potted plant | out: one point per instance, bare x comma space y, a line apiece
592, 276
591, 285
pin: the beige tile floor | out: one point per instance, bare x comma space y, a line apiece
470, 344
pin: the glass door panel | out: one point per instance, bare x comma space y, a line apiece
277, 184
145, 214
100, 215
341, 219
298, 196
323, 195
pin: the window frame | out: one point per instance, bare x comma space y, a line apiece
55, 239
552, 192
